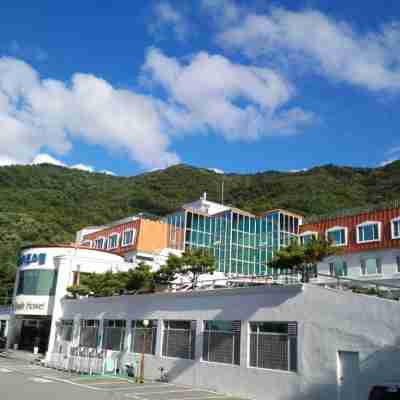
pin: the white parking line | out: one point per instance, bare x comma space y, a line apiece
168, 391
40, 380
77, 384
5, 370
199, 398
134, 388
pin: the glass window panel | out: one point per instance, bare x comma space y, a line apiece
273, 345
281, 222
221, 342
189, 217
337, 236
371, 265
396, 228
179, 339
38, 282
195, 222
368, 232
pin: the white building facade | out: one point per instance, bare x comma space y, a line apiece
294, 342
43, 276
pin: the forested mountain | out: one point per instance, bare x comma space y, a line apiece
47, 203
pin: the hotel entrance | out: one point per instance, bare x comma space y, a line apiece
34, 332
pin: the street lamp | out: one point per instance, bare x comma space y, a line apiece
145, 325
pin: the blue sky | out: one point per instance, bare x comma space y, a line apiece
233, 85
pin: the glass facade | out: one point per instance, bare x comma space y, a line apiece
241, 243
37, 282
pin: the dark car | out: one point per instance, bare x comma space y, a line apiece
385, 392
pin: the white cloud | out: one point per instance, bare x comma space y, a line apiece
37, 113
217, 170
6, 161
330, 47
295, 171
83, 167
44, 158
107, 172
170, 18
235, 100
387, 162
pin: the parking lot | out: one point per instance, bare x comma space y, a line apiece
21, 381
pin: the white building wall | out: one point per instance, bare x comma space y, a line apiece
388, 258
66, 261
328, 321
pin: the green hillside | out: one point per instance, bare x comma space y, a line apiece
46, 203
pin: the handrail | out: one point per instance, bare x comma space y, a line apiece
341, 281
360, 281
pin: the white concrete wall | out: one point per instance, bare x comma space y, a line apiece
328, 321
353, 260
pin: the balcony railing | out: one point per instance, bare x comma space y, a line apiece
370, 287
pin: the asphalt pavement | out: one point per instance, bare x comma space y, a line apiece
20, 380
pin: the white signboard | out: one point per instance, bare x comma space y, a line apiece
33, 305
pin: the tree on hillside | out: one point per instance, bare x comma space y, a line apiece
303, 258
139, 279
191, 264
99, 285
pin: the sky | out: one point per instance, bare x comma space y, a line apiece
236, 86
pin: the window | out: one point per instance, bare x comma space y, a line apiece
337, 236
371, 266
144, 338
395, 228
98, 243
368, 232
89, 333
222, 341
3, 325
307, 237
66, 329
179, 339
114, 334
398, 263
113, 241
128, 237
338, 268
37, 282
273, 345
141, 257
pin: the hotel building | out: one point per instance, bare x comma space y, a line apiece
368, 243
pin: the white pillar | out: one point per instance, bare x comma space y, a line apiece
244, 344
199, 340
160, 327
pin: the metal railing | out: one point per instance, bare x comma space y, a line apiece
83, 360
371, 287
236, 282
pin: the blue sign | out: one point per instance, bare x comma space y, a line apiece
32, 259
